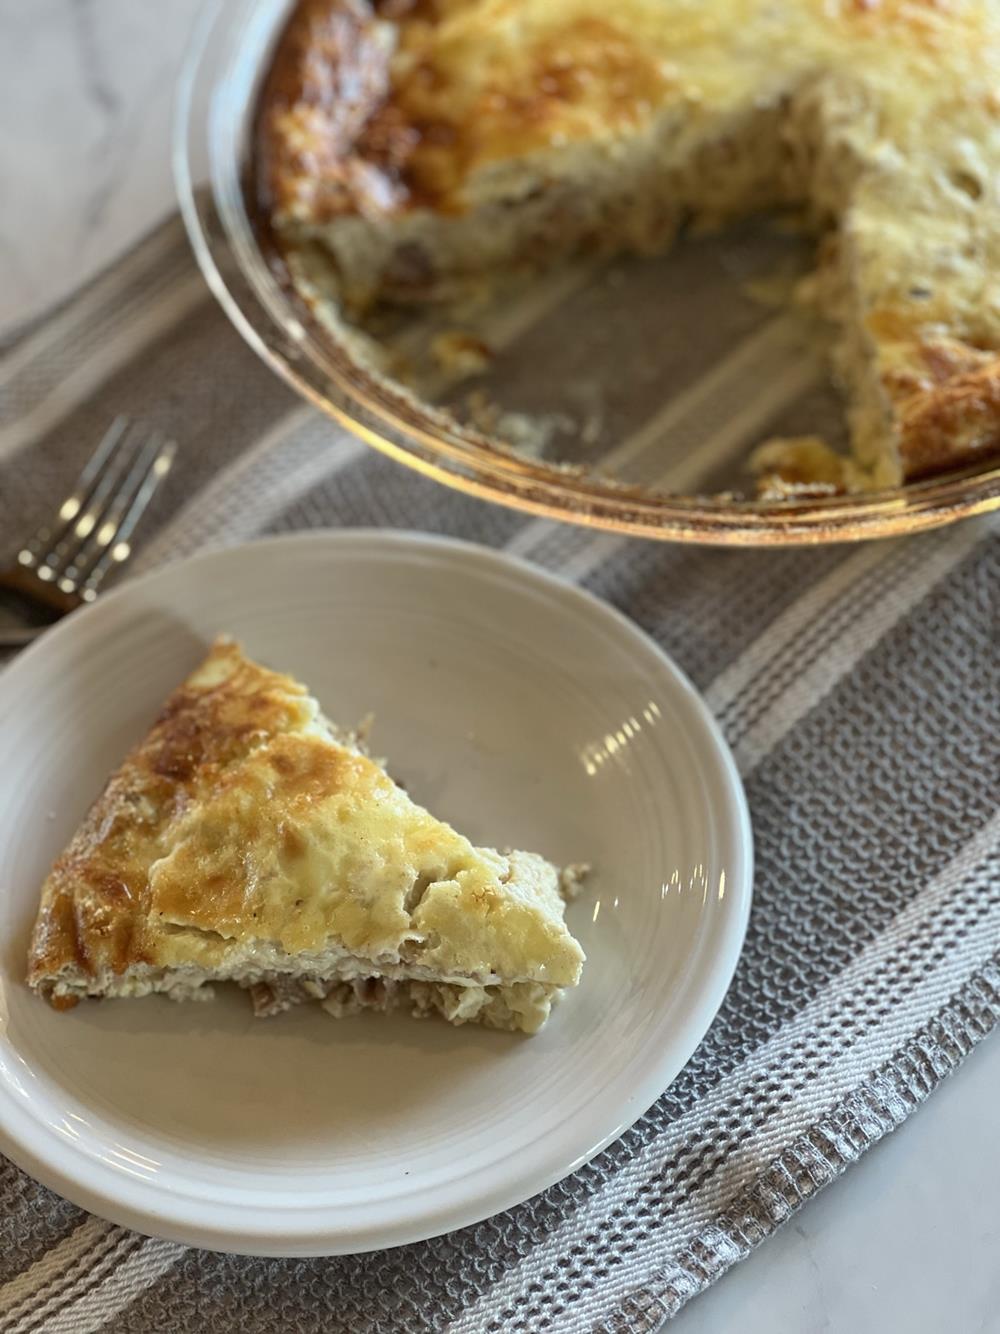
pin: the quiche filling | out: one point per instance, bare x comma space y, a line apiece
418, 145
247, 840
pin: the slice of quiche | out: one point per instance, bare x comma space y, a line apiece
247, 839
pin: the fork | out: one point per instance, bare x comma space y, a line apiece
65, 563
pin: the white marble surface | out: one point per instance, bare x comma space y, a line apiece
909, 1239
86, 98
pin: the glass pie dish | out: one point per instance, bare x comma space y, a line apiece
625, 394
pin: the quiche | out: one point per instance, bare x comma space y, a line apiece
417, 143
248, 840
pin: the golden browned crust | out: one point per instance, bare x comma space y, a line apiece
95, 896
950, 416
317, 155
337, 133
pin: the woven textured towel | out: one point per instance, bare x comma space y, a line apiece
858, 687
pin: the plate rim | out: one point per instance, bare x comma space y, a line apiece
53, 1168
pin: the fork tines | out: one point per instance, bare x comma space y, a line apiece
95, 522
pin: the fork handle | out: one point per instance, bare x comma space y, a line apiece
24, 581
20, 636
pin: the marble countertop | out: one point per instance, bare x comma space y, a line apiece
909, 1239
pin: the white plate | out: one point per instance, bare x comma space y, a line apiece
521, 709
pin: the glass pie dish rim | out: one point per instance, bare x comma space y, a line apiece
219, 70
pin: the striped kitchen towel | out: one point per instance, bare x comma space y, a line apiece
858, 689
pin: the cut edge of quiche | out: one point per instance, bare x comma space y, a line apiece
246, 839
416, 146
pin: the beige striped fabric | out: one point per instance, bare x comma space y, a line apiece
859, 690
